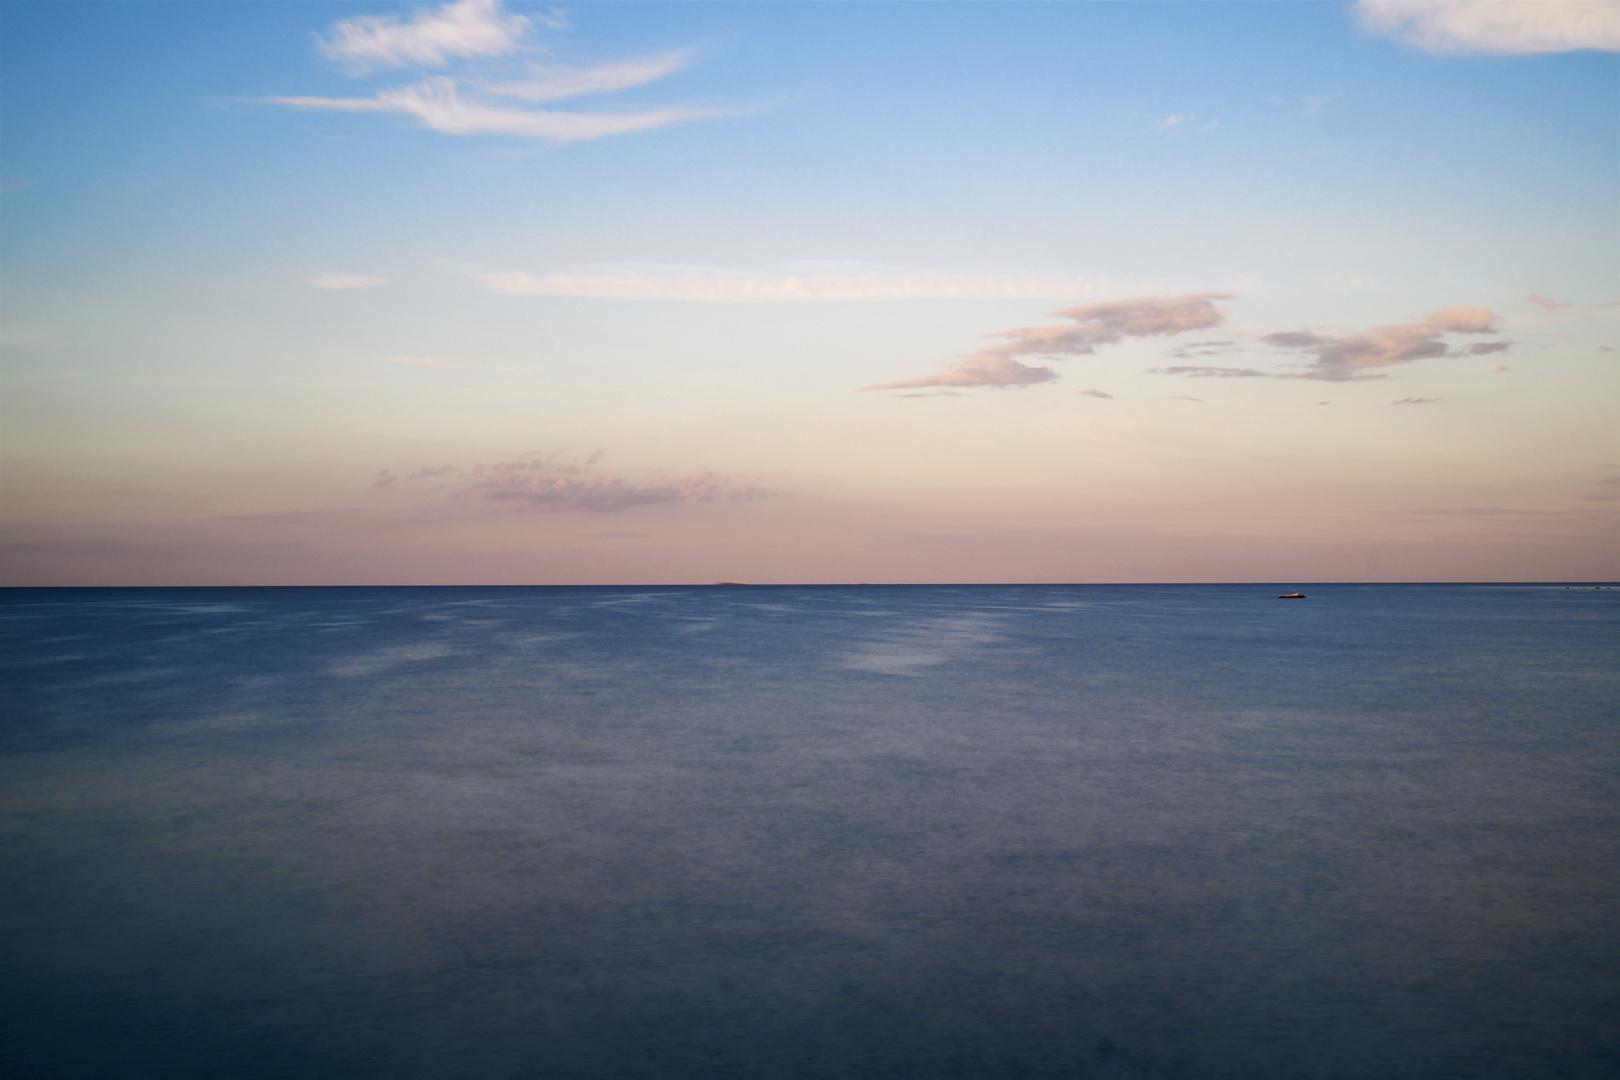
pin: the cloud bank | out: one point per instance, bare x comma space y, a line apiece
1090, 326
468, 104
1512, 27
538, 483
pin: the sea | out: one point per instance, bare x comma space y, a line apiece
933, 832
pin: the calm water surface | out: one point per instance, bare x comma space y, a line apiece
1055, 831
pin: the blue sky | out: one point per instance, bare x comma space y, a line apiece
277, 279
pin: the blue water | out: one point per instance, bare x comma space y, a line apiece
1057, 831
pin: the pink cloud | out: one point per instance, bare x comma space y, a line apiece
1093, 325
1546, 303
1199, 371
1462, 319
976, 369
432, 470
1348, 357
1352, 357
384, 478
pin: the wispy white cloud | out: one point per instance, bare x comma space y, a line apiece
438, 104
1097, 394
1416, 401
1090, 326
560, 83
463, 29
480, 31
346, 281
1517, 27
804, 282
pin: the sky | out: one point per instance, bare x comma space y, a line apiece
484, 293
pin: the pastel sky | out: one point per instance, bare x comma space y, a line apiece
664, 292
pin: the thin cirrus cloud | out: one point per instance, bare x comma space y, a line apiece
541, 484
1511, 27
1090, 326
1354, 357
559, 84
346, 281
479, 31
802, 282
437, 102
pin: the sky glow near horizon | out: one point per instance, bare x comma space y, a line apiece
630, 293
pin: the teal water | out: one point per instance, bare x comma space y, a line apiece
930, 832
